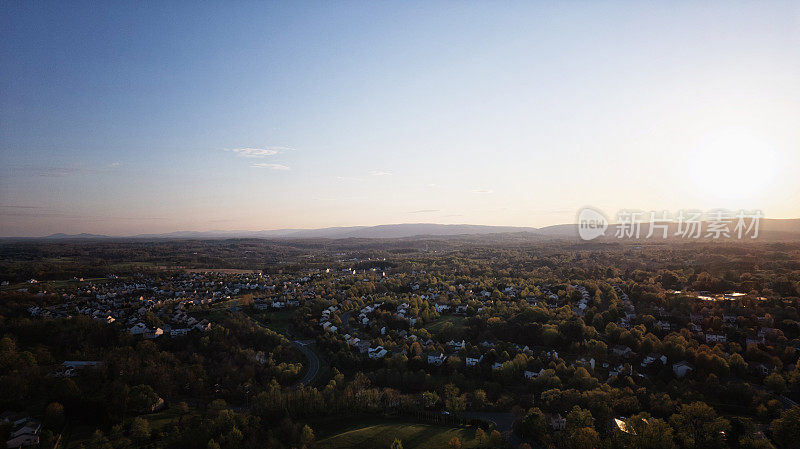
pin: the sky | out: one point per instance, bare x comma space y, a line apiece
124, 118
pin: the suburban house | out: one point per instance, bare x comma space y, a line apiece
533, 374
472, 361
558, 422
652, 357
681, 368
155, 333
434, 359
716, 338
377, 352
138, 329
27, 435
623, 351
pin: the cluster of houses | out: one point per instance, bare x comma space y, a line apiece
130, 301
24, 430
623, 361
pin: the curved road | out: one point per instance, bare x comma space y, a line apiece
302, 346
313, 362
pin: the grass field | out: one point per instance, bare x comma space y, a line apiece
381, 433
163, 418
440, 324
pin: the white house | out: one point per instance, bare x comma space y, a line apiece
377, 352
716, 338
434, 359
155, 333
681, 368
138, 329
583, 361
652, 357
558, 422
622, 350
457, 345
533, 374
472, 361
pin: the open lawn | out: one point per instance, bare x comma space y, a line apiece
380, 434
163, 418
440, 325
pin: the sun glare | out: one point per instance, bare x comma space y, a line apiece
732, 163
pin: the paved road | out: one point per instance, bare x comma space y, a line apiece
313, 362
313, 359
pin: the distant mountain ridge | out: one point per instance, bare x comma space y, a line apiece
769, 228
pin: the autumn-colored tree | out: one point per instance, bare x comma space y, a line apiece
454, 443
786, 429
698, 426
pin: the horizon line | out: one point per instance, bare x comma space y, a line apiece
320, 229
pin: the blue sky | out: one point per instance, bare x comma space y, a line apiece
124, 118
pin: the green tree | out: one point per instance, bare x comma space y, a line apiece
140, 430
786, 429
480, 436
142, 398
306, 436
775, 382
54, 416
644, 432
534, 424
698, 426
579, 418
583, 438
495, 439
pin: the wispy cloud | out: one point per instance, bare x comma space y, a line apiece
115, 164
380, 173
260, 152
347, 178
484, 191
432, 185
423, 211
271, 166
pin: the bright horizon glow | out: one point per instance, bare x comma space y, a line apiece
126, 119
733, 164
